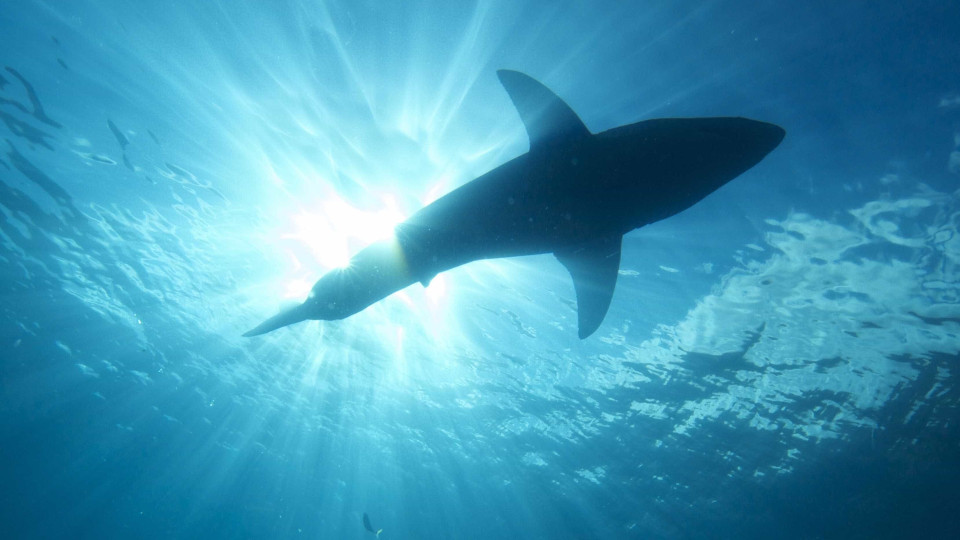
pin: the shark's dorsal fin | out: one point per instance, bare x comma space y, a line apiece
545, 115
594, 268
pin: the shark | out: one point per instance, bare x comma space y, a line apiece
574, 194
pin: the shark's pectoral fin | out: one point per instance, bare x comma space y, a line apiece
594, 269
544, 114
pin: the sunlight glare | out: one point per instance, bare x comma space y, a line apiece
323, 236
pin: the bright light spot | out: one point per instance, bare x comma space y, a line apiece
325, 235
437, 290
297, 288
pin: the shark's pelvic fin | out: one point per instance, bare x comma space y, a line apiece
545, 115
594, 269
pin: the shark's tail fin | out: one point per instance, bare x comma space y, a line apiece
286, 317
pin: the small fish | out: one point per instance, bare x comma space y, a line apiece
38, 111
121, 138
369, 527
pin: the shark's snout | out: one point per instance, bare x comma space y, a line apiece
286, 317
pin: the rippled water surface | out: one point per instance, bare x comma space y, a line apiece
779, 360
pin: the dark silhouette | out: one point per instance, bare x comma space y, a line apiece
574, 194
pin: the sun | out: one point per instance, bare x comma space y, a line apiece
320, 236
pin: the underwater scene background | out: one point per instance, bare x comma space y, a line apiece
779, 361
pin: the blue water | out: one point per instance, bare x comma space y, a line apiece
779, 361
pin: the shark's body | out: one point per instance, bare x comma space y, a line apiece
574, 194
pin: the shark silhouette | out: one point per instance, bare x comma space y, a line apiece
574, 194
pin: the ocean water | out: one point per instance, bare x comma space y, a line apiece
779, 361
